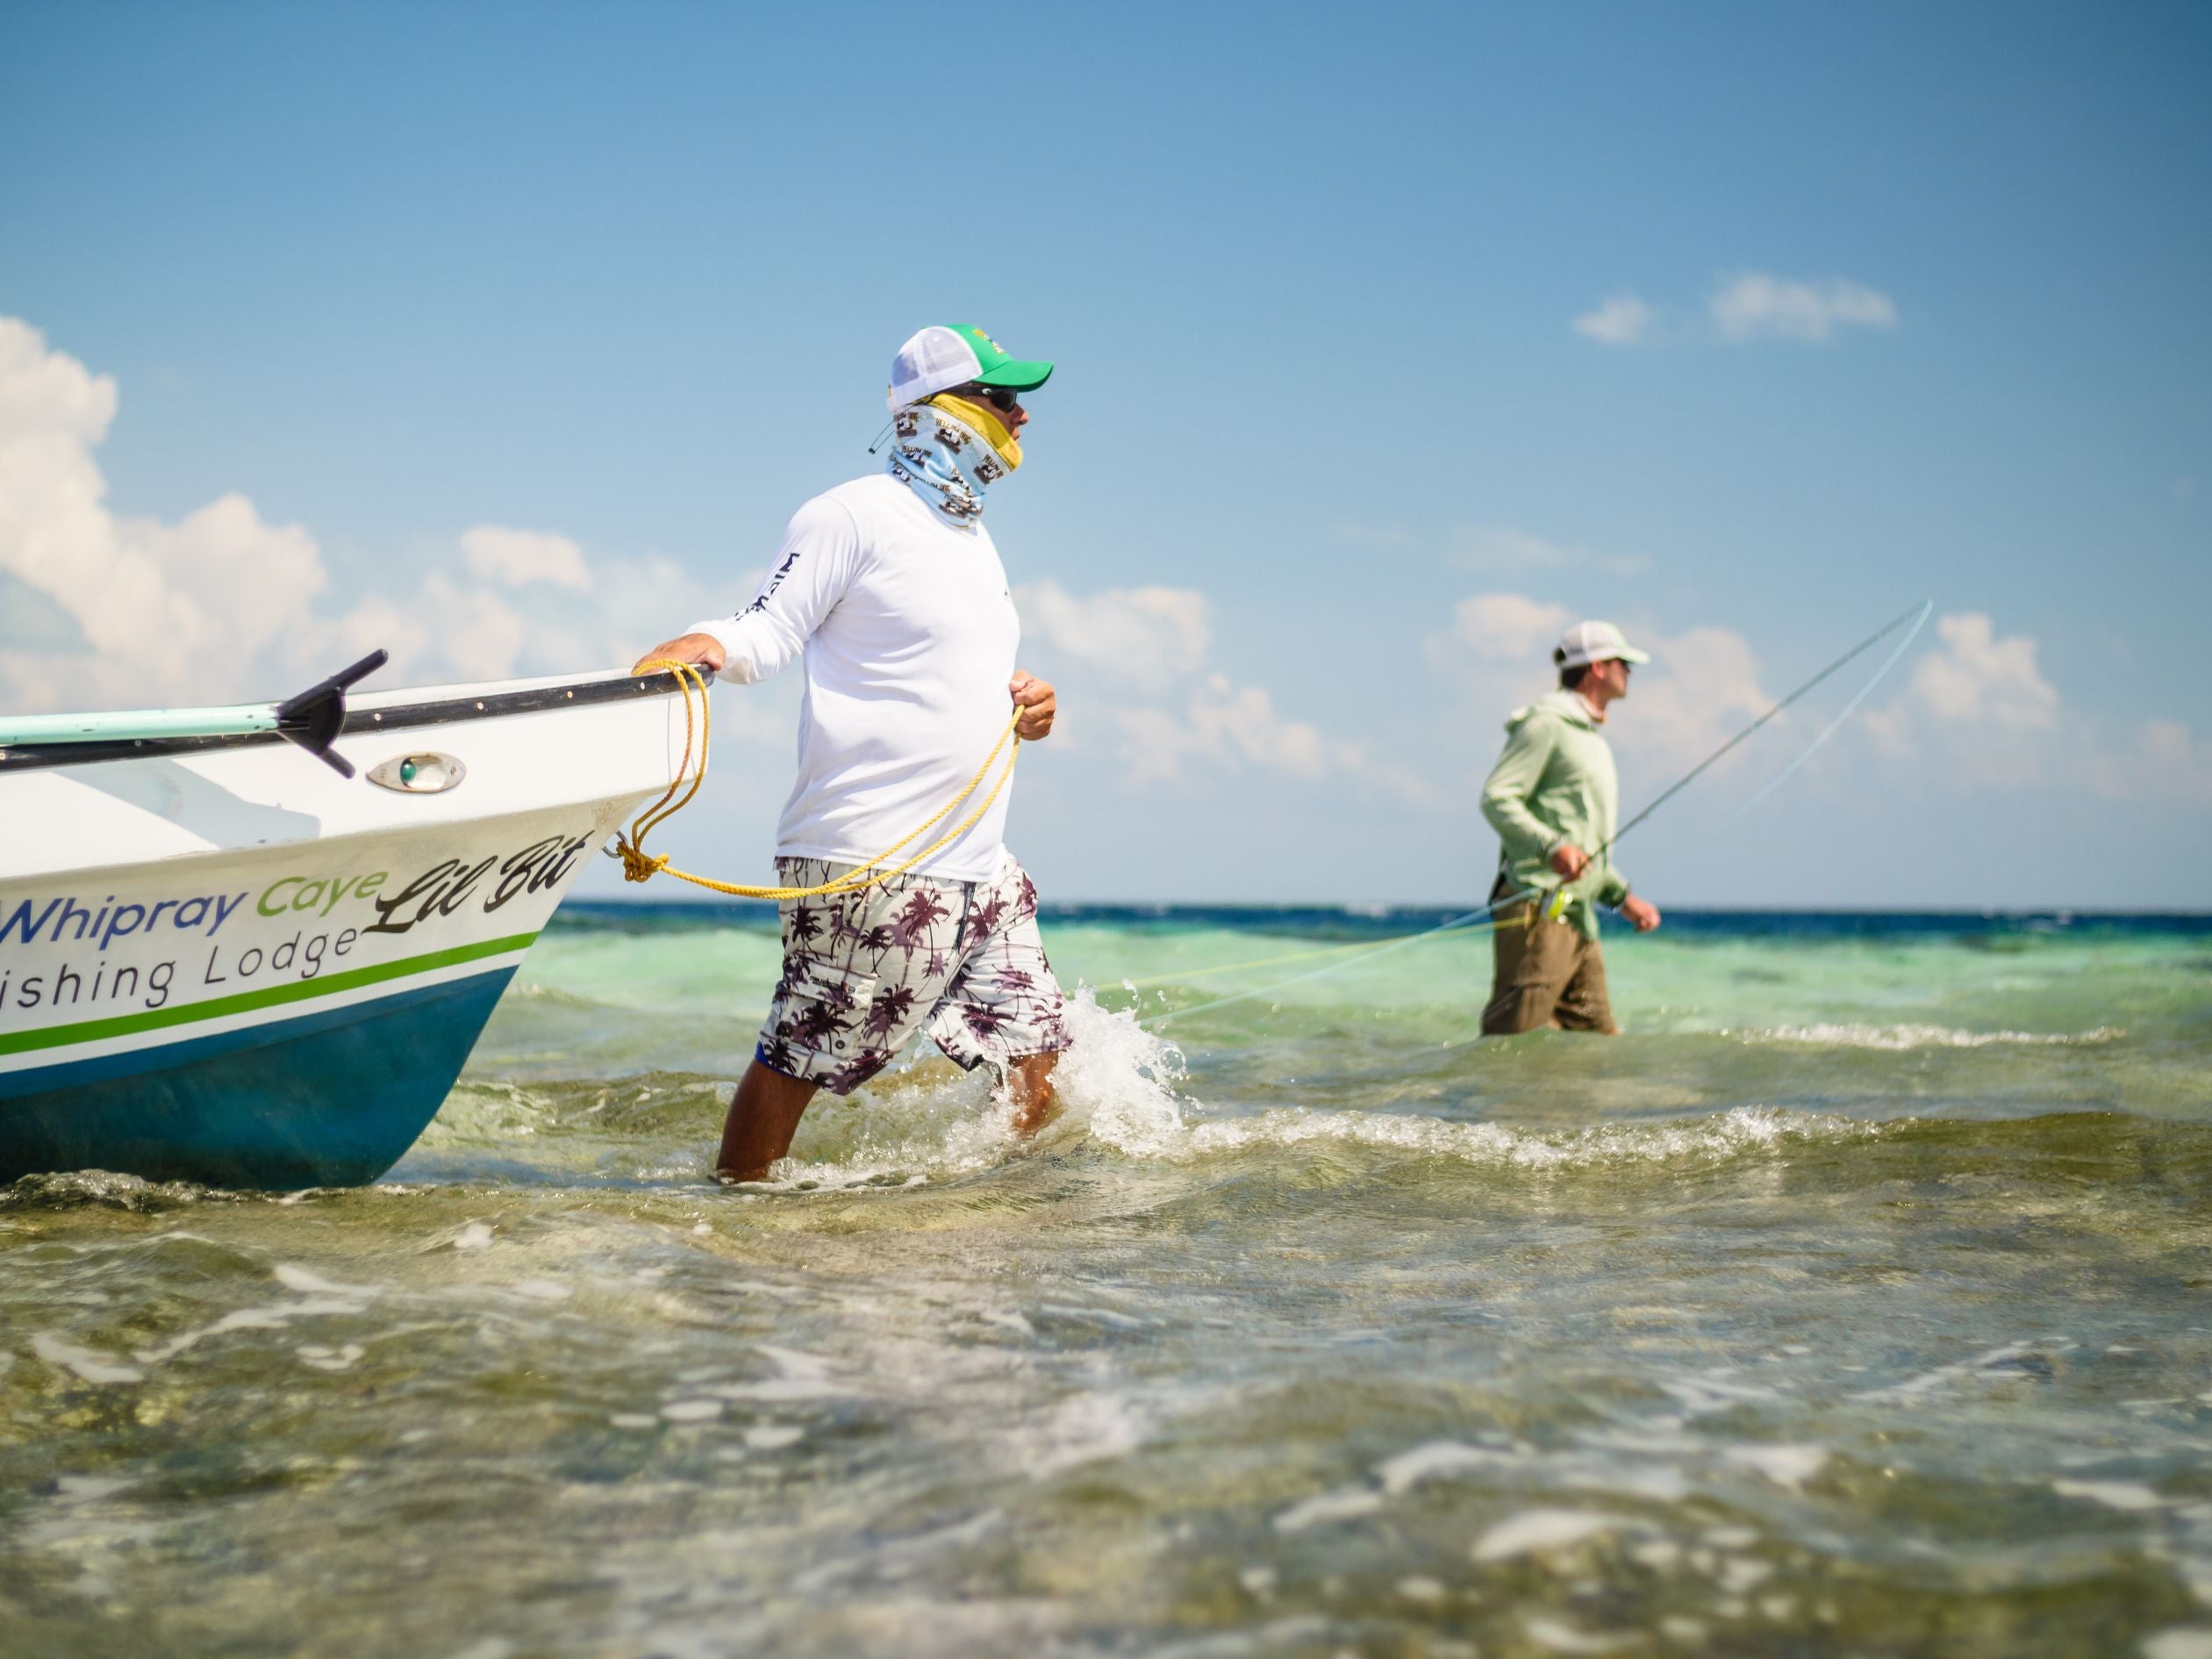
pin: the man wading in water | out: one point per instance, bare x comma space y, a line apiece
892, 588
1554, 798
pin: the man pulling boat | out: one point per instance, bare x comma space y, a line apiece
892, 588
1554, 798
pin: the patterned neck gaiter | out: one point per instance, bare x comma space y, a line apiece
984, 418
944, 460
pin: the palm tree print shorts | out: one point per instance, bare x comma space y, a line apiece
864, 971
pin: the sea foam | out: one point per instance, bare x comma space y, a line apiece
1121, 1084
1910, 1036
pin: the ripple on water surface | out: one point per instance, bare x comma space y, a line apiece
1869, 1324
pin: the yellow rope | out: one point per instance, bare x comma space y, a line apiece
638, 865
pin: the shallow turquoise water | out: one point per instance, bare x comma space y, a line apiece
1857, 1301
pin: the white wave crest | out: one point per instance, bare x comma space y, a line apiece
1741, 1129
1901, 1037
1119, 1083
1123, 1079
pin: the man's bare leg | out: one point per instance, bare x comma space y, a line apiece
764, 1115
1029, 1081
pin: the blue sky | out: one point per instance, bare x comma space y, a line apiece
1388, 339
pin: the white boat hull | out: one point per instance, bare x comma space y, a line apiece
224, 962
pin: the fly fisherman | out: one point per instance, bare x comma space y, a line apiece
1554, 799
892, 589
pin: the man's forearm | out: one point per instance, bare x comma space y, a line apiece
752, 645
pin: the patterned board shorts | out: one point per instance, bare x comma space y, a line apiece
863, 971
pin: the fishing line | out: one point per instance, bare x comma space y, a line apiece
1457, 922
1917, 616
1829, 731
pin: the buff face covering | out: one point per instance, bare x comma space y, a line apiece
949, 452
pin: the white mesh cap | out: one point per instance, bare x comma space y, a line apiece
1588, 643
934, 360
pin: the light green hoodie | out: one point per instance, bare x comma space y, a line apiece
1554, 783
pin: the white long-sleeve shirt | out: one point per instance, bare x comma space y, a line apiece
909, 632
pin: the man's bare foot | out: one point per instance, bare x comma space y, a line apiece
1036, 1102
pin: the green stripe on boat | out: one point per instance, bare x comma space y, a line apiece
268, 997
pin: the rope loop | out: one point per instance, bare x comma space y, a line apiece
638, 865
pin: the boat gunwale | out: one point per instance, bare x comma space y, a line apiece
534, 699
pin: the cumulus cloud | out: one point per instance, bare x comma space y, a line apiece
2164, 762
1700, 686
1621, 320
1753, 305
1978, 712
1506, 627
1131, 662
1222, 724
1147, 635
221, 604
517, 558
33, 620
1981, 679
168, 603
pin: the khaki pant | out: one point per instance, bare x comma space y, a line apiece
1548, 976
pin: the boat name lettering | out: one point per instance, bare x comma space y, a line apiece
446, 885
443, 888
540, 865
291, 956
311, 891
113, 921
73, 986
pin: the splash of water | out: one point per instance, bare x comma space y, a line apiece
1120, 1086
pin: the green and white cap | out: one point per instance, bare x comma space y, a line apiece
939, 359
1588, 643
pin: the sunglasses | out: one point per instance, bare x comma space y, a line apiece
998, 397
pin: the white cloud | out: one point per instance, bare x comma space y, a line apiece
1153, 640
48, 393
517, 558
1621, 320
2167, 745
2166, 762
1977, 712
1747, 305
1701, 688
221, 604
1753, 303
1148, 636
168, 604
1226, 725
1507, 626
1223, 723
1981, 679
